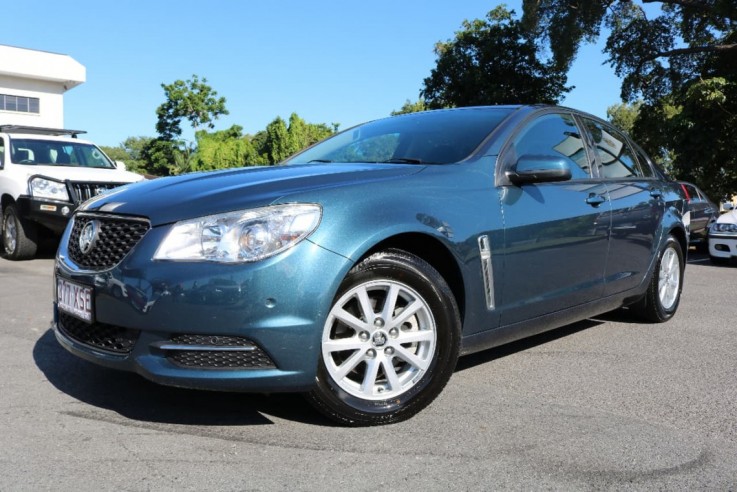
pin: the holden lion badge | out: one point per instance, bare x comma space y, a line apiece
88, 236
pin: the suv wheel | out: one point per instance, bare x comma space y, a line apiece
20, 236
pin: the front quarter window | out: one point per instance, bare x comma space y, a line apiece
554, 135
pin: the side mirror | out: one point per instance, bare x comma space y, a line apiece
120, 165
727, 206
539, 169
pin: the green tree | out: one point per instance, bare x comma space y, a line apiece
115, 153
700, 130
624, 115
411, 107
131, 153
492, 61
276, 147
192, 100
225, 149
682, 62
159, 156
280, 140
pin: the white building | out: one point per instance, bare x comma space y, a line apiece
32, 86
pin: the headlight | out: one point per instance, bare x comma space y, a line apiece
724, 228
239, 237
48, 188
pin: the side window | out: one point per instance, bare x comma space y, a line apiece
693, 193
555, 135
617, 159
647, 170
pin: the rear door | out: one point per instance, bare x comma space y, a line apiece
637, 206
555, 234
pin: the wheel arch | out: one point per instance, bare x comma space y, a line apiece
5, 201
435, 253
680, 235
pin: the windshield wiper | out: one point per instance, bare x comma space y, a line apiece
403, 160
318, 160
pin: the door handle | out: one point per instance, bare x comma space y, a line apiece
595, 200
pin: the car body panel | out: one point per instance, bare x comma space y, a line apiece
552, 224
166, 200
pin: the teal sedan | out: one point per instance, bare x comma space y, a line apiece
359, 270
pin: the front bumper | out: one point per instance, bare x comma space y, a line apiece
723, 246
144, 309
52, 214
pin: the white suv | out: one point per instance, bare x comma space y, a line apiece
44, 175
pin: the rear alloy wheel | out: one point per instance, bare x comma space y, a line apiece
664, 293
390, 341
20, 237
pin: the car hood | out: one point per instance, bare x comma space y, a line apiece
83, 174
728, 218
166, 200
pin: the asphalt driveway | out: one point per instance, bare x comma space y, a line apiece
608, 403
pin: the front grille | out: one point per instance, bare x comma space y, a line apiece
85, 191
115, 238
103, 336
222, 352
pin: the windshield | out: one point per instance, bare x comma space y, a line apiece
57, 153
434, 137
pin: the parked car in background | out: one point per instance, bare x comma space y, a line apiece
703, 212
723, 236
44, 175
360, 269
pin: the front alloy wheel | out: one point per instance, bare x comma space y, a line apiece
390, 341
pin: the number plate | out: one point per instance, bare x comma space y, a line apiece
74, 299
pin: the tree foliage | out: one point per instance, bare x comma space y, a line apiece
192, 100
225, 149
411, 107
492, 61
682, 62
281, 140
131, 153
624, 115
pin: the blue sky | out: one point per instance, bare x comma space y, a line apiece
330, 61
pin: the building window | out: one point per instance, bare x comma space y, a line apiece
20, 104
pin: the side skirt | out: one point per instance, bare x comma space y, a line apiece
510, 333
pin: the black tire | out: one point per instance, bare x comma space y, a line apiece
664, 292
393, 367
19, 236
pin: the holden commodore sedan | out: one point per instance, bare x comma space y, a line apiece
360, 269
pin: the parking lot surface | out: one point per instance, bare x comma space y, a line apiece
608, 403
